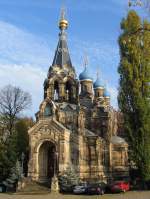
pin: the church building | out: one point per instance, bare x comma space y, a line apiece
76, 126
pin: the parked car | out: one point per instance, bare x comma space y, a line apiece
66, 188
120, 186
95, 189
80, 189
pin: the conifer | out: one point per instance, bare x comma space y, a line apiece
134, 90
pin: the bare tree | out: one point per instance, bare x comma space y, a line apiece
142, 3
136, 2
13, 101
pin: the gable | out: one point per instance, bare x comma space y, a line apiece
47, 126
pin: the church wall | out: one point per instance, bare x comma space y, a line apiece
80, 125
45, 132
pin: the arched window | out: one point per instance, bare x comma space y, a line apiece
56, 90
48, 110
69, 90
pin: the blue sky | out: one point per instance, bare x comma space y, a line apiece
29, 35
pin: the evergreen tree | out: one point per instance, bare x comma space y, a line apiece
22, 137
68, 177
134, 90
8, 156
13, 146
22, 140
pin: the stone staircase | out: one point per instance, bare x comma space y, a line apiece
31, 187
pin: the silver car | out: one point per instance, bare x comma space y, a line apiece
80, 189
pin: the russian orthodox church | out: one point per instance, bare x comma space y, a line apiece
76, 126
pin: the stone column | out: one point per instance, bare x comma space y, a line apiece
81, 155
61, 91
93, 156
50, 91
54, 182
64, 154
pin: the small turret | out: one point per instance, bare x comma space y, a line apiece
98, 87
86, 80
106, 97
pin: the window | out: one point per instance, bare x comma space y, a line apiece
48, 110
117, 158
69, 91
56, 90
85, 88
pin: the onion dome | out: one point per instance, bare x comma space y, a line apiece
85, 75
98, 84
63, 24
106, 93
117, 140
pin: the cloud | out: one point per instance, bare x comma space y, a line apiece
27, 77
103, 56
110, 6
25, 58
20, 46
121, 3
24, 61
113, 94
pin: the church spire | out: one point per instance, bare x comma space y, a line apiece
62, 56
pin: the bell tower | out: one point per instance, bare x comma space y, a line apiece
61, 83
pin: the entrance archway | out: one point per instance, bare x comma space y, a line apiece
47, 161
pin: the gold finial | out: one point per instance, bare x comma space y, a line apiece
63, 23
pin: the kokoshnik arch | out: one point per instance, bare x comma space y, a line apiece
76, 126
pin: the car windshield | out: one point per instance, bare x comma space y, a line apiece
118, 182
81, 184
93, 185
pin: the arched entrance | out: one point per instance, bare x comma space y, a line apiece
47, 161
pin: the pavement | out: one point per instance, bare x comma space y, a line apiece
128, 195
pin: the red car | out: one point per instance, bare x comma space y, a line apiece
120, 186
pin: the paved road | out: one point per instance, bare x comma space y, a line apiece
129, 195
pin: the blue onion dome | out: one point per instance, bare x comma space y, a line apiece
106, 93
85, 75
98, 84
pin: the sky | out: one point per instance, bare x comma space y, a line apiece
29, 36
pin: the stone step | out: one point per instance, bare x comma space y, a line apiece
34, 187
